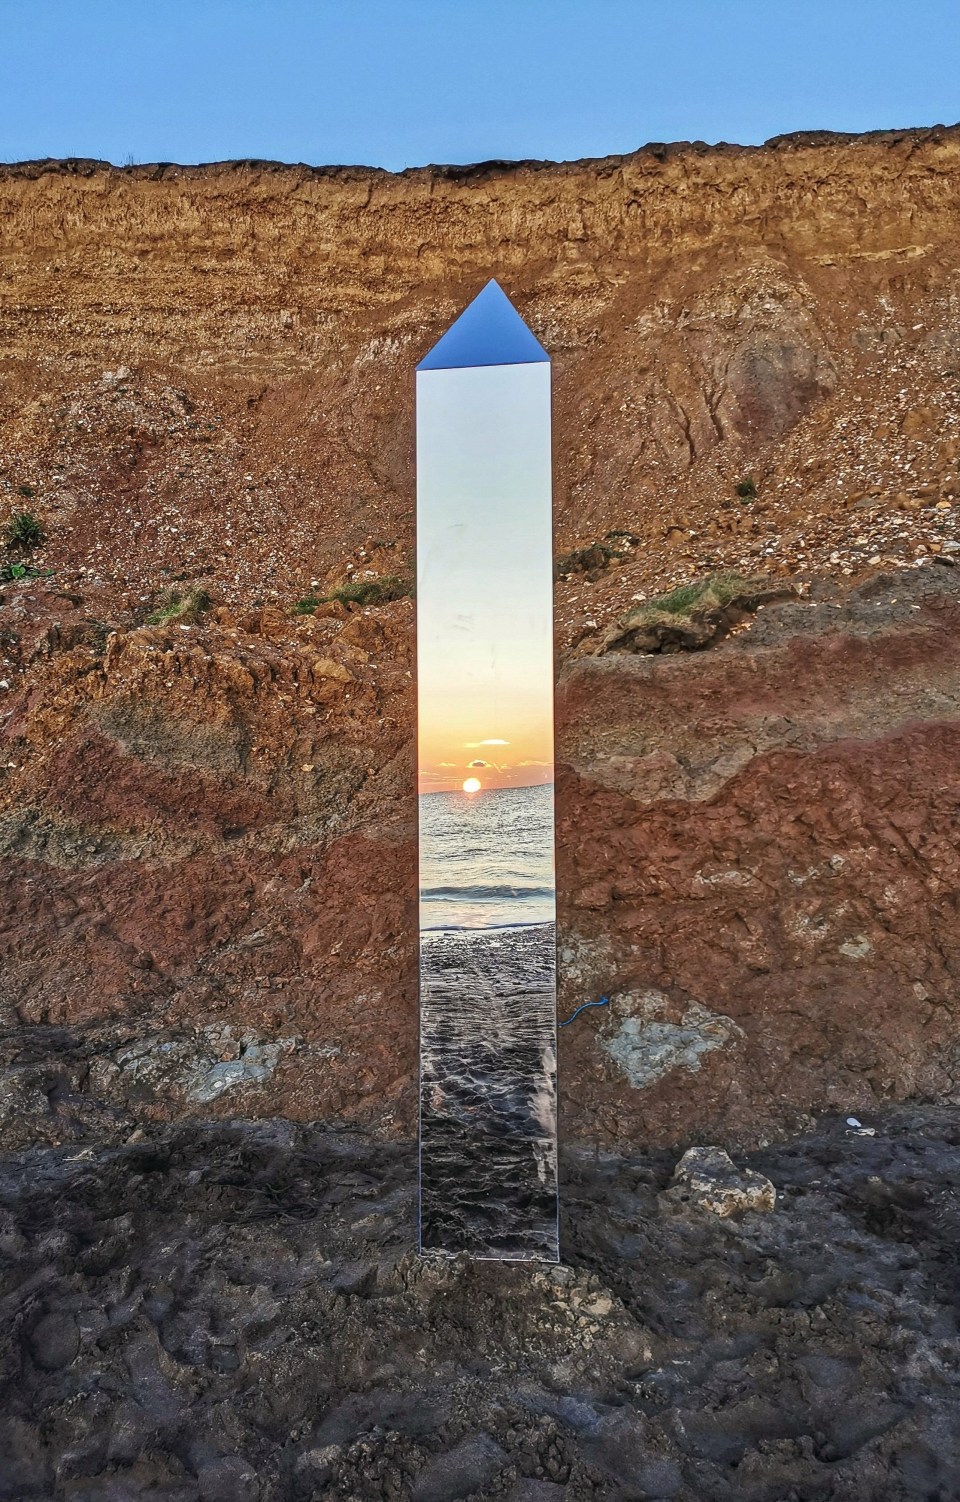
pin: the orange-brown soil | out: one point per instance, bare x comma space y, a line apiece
207, 825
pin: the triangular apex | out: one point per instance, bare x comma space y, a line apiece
488, 332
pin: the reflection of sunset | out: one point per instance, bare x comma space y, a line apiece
484, 578
519, 702
448, 760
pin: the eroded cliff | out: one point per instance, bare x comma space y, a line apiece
207, 823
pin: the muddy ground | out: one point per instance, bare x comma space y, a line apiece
233, 1312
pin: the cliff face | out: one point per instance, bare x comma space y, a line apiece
207, 824
761, 867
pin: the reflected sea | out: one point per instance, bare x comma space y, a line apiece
486, 859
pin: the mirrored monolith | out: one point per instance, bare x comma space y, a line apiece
488, 1139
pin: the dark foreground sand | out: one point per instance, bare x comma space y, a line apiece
488, 1059
233, 1313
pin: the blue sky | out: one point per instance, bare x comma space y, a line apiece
399, 83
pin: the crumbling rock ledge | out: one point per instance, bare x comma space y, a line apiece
723, 606
766, 832
757, 862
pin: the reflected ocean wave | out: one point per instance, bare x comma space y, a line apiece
486, 859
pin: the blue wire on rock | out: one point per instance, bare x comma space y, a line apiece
603, 1002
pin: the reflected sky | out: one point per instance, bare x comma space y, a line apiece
484, 584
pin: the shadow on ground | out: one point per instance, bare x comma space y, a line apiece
233, 1314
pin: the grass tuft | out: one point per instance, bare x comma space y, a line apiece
182, 607
24, 531
359, 592
711, 593
372, 591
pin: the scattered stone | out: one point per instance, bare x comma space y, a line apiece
707, 1178
256, 1063
54, 1341
229, 1479
468, 1468
856, 948
317, 1464
200, 1065
529, 1490
325, 667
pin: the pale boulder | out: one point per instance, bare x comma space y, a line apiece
708, 1179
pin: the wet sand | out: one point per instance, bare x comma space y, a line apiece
488, 1092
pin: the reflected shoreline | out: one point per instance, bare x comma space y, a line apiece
488, 1092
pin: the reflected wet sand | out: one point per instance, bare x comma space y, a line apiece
488, 1091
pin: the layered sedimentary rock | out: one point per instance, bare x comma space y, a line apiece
206, 820
758, 848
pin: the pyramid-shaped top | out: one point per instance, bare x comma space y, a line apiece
488, 332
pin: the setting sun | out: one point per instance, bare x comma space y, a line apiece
472, 785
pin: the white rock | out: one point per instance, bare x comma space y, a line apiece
709, 1179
